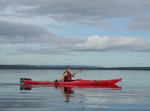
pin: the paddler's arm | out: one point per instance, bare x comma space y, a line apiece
62, 77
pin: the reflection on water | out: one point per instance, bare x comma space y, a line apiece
134, 95
36, 98
68, 90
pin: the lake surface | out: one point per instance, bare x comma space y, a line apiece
134, 95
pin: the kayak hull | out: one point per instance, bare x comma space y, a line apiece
75, 82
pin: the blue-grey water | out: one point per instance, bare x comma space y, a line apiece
134, 95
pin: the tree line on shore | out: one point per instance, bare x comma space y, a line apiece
74, 67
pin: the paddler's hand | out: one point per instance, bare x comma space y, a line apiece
81, 70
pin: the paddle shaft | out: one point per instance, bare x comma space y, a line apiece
78, 71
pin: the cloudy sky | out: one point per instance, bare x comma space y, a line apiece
109, 33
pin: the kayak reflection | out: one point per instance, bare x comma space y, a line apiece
108, 87
68, 90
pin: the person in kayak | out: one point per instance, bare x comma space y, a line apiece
67, 76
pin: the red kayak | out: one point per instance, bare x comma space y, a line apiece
72, 82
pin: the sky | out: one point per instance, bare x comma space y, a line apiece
107, 33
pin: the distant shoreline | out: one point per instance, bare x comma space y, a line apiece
72, 67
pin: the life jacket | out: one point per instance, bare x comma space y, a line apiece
68, 77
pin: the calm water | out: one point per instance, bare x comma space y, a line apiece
134, 95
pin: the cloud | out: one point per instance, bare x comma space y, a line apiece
140, 23
132, 44
25, 33
22, 33
93, 43
91, 10
58, 27
10, 29
4, 4
18, 38
99, 14
51, 51
86, 12
97, 24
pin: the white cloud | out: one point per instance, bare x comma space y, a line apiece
96, 43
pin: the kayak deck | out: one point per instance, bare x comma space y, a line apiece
75, 82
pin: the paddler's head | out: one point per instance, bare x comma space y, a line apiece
68, 69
